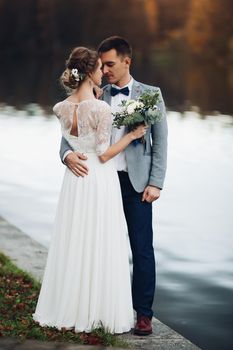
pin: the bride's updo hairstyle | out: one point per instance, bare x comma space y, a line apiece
81, 62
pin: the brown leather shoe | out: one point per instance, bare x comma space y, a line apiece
143, 326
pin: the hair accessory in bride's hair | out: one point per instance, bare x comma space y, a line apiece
75, 74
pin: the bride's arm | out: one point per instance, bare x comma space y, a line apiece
119, 146
103, 134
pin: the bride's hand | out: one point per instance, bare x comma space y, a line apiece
139, 132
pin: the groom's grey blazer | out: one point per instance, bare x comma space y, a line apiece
146, 162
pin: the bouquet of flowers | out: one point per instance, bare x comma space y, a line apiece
143, 110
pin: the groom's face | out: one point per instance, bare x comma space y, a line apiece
114, 67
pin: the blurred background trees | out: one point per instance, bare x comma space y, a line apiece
209, 29
183, 46
202, 27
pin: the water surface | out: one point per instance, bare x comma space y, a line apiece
192, 220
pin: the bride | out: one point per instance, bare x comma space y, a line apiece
86, 282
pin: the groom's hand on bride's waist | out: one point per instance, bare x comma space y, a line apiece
75, 162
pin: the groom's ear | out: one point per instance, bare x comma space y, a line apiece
128, 60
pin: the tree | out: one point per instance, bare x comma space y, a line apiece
210, 27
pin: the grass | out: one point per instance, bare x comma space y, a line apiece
18, 298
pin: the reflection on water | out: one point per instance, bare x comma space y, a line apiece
184, 82
192, 220
199, 309
194, 240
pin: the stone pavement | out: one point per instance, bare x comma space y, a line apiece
30, 256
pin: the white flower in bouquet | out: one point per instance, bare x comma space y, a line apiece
128, 102
133, 106
153, 111
144, 110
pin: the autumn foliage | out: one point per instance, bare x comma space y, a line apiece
18, 297
39, 26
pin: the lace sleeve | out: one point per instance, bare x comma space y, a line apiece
104, 128
64, 115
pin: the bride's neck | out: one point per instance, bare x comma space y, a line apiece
85, 91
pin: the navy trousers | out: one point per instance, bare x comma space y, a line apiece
139, 221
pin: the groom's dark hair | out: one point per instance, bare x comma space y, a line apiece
118, 43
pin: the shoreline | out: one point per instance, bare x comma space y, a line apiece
31, 256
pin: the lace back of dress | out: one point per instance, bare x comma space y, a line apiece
93, 125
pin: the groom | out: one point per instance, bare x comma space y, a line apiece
141, 169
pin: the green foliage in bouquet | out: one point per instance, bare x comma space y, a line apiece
135, 112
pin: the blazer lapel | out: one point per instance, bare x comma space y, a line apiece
107, 95
136, 90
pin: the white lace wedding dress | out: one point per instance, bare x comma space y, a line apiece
87, 278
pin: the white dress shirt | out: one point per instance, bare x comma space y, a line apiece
117, 134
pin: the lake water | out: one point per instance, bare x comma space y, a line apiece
193, 221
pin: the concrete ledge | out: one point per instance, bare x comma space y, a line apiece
26, 253
30, 256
